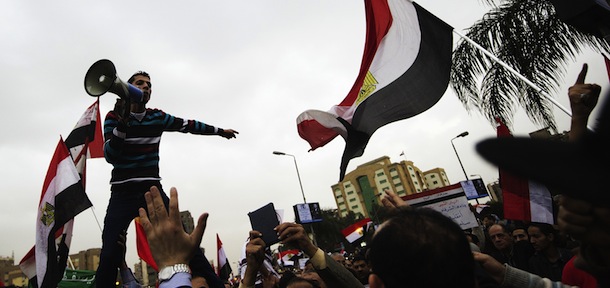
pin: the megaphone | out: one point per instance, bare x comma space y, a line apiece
101, 78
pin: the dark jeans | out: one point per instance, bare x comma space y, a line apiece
125, 201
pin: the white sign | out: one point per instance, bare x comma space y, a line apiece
449, 200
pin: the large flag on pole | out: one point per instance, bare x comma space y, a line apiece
404, 71
84, 141
523, 199
224, 268
63, 197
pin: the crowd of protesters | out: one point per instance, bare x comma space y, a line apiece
421, 247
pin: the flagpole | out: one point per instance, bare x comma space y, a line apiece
527, 81
96, 221
70, 261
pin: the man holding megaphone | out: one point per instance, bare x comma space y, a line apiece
132, 135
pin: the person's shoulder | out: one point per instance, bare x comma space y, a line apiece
155, 112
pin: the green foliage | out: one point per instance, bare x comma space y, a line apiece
328, 232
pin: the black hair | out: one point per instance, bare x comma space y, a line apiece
290, 278
547, 229
133, 77
421, 242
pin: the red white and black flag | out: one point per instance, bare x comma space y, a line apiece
523, 199
63, 197
224, 268
404, 71
356, 231
84, 141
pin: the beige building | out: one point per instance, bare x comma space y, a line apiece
86, 260
436, 178
146, 275
362, 187
11, 274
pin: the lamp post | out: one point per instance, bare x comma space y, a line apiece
297, 167
313, 234
463, 134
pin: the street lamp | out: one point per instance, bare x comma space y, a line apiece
313, 234
463, 134
297, 167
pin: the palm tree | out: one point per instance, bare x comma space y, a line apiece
530, 38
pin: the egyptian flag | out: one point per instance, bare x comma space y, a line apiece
142, 245
356, 231
224, 269
287, 255
86, 140
63, 197
524, 199
404, 71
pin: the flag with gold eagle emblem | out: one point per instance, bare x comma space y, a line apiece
63, 197
404, 71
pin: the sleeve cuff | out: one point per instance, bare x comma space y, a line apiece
180, 279
318, 260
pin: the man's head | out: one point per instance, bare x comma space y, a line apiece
520, 234
489, 220
542, 236
361, 267
501, 237
420, 242
314, 278
141, 80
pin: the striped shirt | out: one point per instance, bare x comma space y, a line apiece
134, 150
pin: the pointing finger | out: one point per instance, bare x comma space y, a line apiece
582, 74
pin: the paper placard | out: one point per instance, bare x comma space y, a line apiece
450, 200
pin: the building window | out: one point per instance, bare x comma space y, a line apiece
355, 207
410, 168
415, 182
393, 170
348, 185
435, 182
352, 200
383, 181
350, 192
433, 176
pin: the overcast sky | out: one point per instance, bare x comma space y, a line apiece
253, 66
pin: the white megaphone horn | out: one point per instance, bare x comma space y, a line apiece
101, 78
